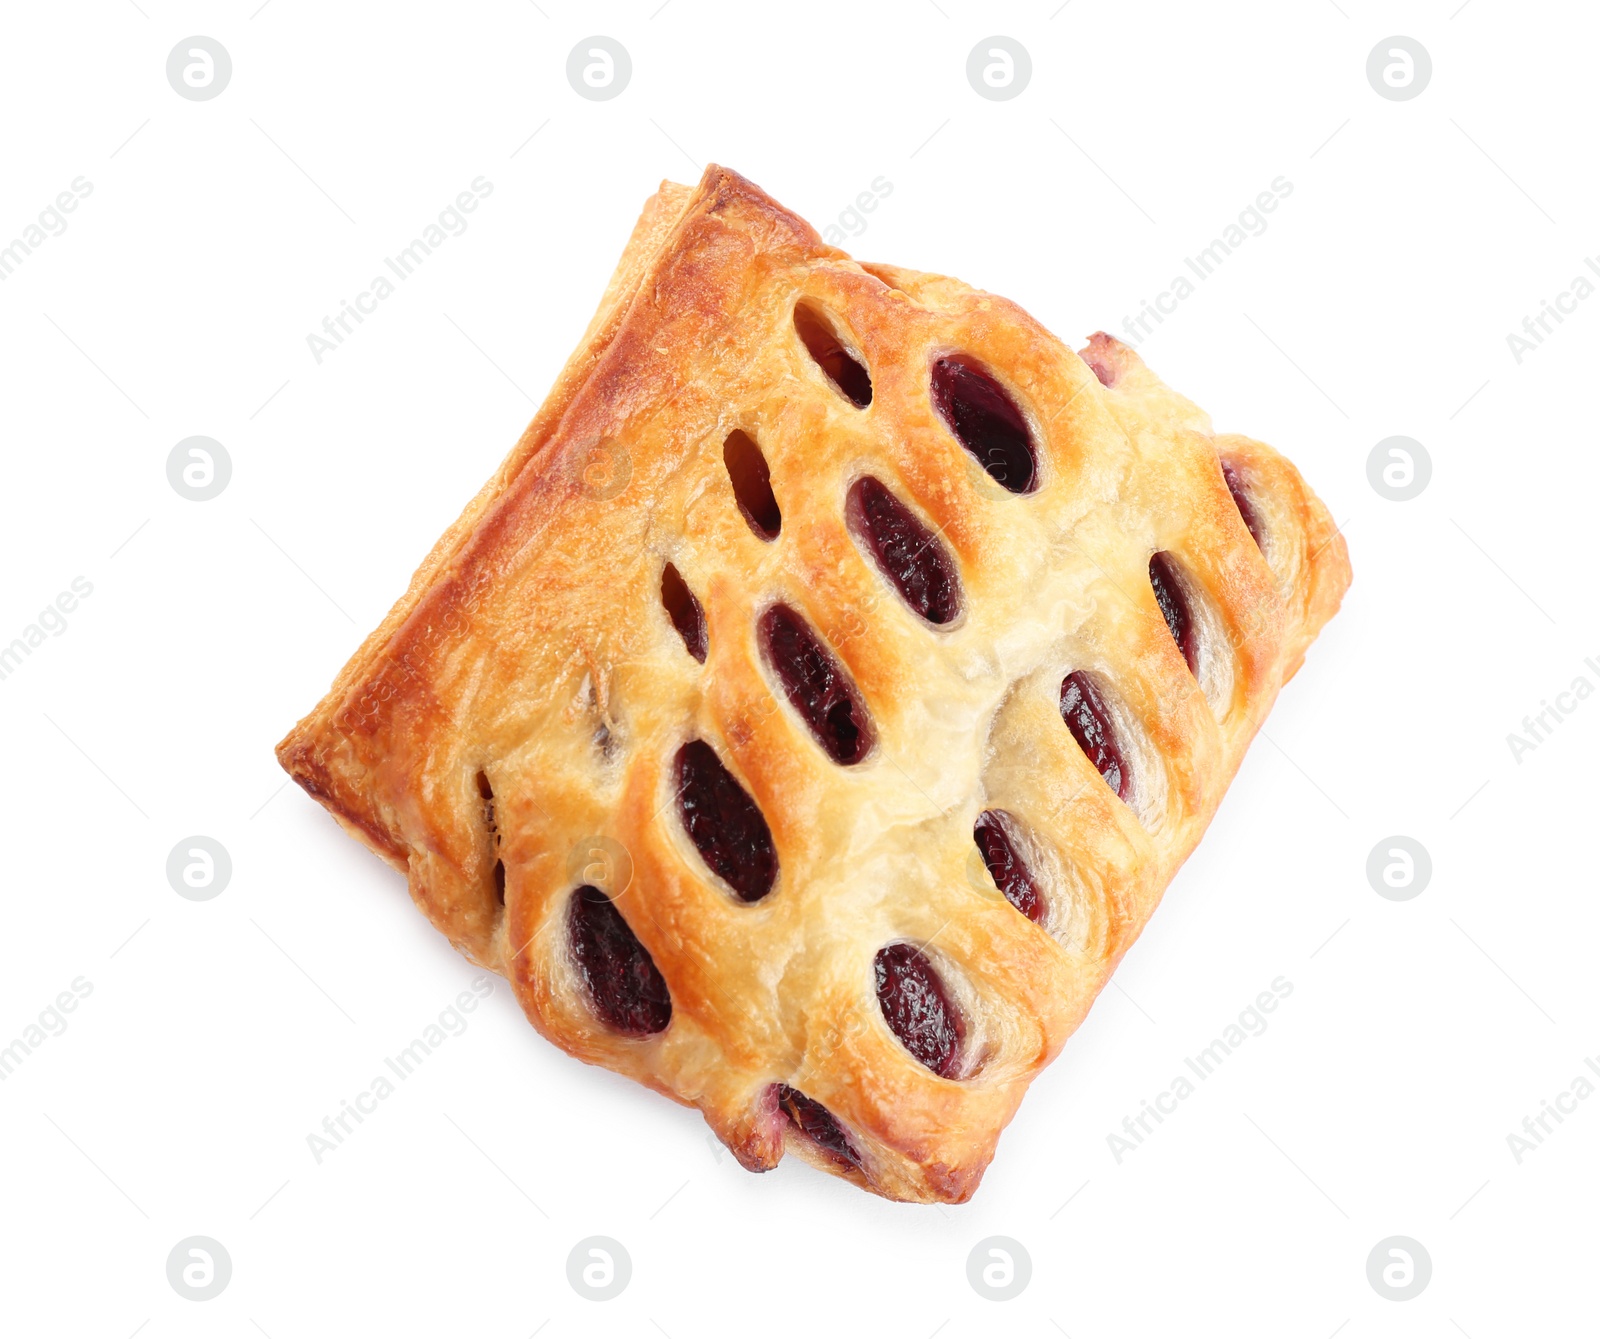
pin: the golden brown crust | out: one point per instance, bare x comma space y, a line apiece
532, 649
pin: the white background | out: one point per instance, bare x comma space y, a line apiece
218, 1034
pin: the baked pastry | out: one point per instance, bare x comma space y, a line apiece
811, 710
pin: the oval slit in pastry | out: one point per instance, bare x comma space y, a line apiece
911, 556
986, 421
1173, 601
685, 610
818, 1125
1002, 853
847, 372
1233, 476
816, 685
625, 988
1089, 716
486, 793
724, 823
918, 1008
752, 485
1196, 627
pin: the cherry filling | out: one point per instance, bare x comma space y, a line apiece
724, 823
917, 1009
1168, 586
752, 484
1241, 499
816, 1122
816, 685
1089, 719
625, 988
685, 611
906, 551
986, 421
852, 379
1006, 866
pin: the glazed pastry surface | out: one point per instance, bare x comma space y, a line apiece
813, 707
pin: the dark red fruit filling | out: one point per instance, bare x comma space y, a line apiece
685, 612
724, 823
917, 1009
1168, 586
816, 1122
816, 685
1006, 866
906, 551
625, 988
986, 421
1241, 499
1089, 719
832, 357
752, 484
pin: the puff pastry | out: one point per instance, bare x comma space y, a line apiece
813, 707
